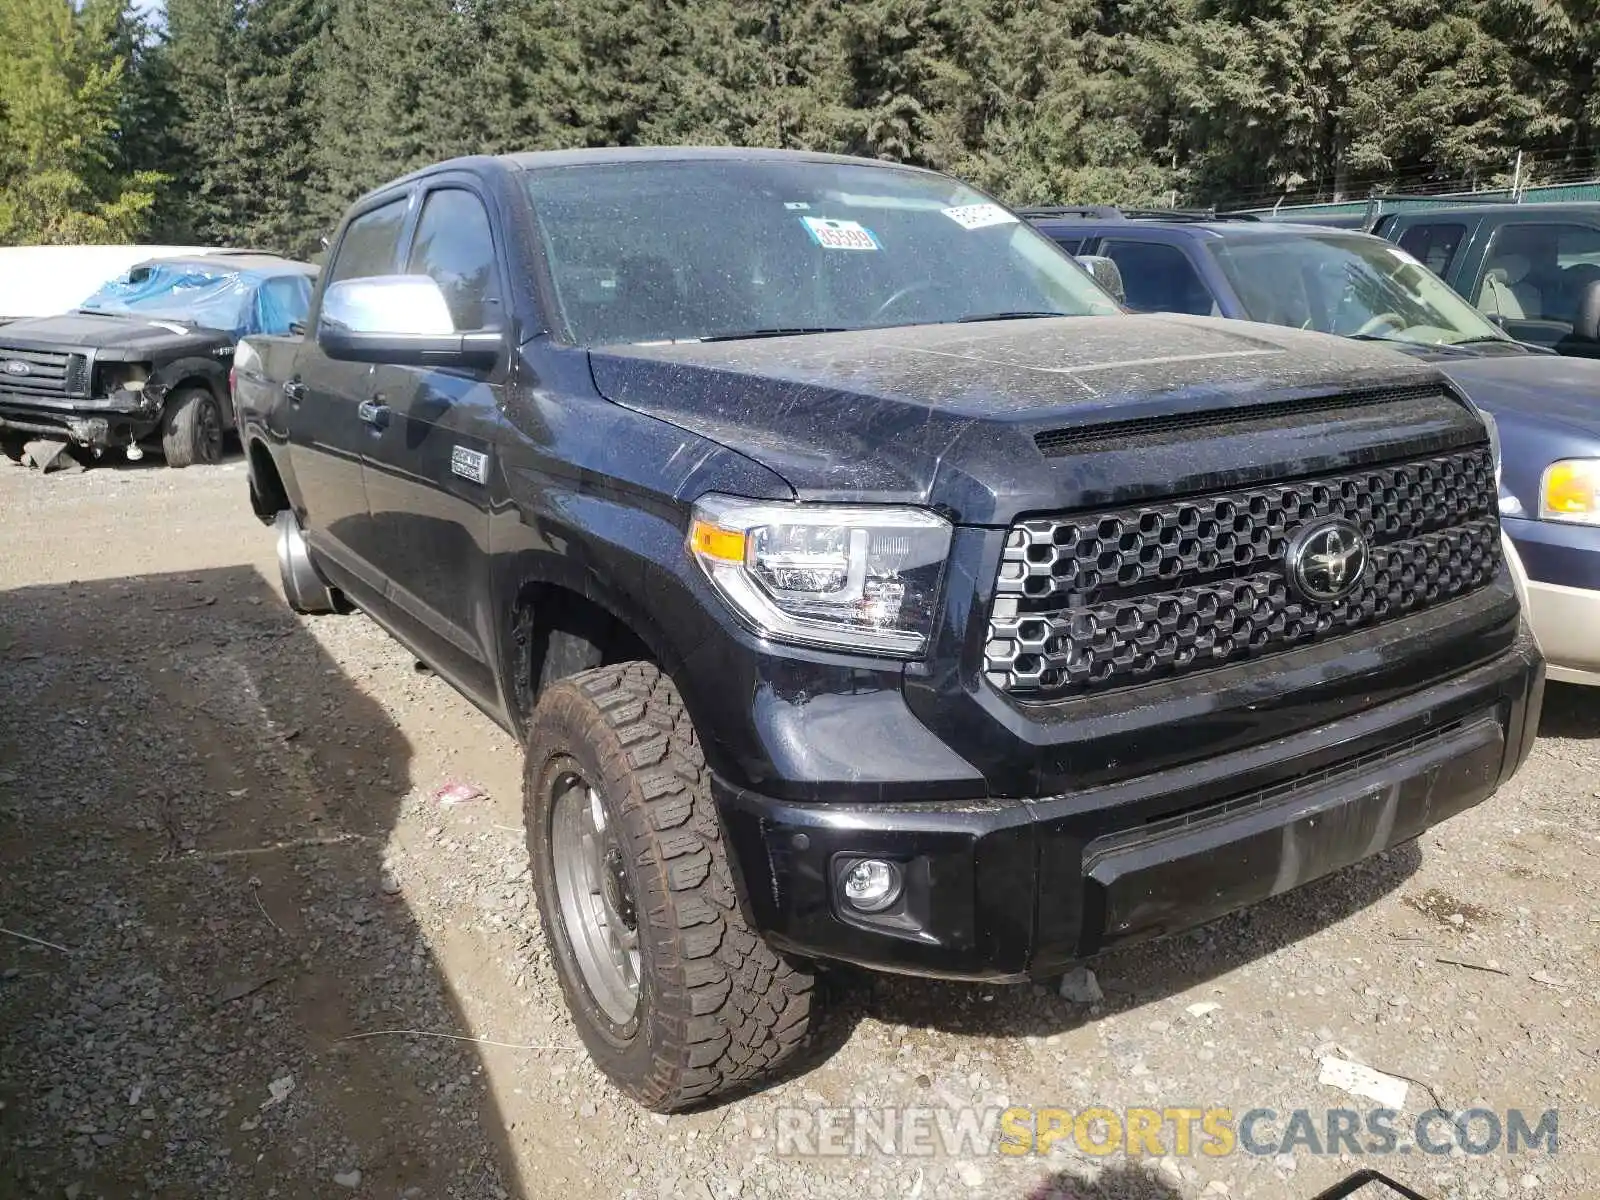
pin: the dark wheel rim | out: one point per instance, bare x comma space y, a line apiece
208, 432
597, 905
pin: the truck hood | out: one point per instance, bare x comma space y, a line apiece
1547, 407
1534, 387
118, 338
947, 415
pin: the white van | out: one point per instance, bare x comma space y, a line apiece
41, 281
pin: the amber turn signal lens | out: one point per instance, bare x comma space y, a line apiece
711, 541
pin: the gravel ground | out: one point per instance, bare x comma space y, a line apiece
277, 967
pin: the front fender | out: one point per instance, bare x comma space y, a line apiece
213, 373
612, 554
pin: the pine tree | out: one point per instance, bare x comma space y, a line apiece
399, 84
63, 177
1559, 66
241, 71
1323, 99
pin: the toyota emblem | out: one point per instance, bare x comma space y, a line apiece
1326, 560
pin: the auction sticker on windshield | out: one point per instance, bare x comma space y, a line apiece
979, 216
831, 234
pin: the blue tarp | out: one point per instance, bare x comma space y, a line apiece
238, 302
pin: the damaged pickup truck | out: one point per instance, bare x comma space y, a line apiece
147, 356
866, 587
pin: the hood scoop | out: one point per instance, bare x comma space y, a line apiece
1377, 406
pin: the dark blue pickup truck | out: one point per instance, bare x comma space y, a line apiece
1359, 286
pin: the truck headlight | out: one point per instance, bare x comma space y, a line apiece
1569, 490
853, 577
119, 376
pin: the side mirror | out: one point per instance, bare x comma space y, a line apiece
399, 319
1586, 325
1106, 273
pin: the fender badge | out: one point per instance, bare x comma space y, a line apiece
469, 464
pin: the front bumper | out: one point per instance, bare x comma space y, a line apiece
1563, 568
1013, 888
100, 423
1567, 620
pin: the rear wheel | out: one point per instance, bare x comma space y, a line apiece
677, 999
191, 431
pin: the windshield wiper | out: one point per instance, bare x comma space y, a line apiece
776, 331
1020, 315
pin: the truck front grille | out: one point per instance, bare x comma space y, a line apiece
1096, 600
42, 372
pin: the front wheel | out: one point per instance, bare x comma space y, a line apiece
191, 431
677, 999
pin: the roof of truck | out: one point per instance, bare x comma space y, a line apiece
1107, 226
1498, 211
532, 159
239, 261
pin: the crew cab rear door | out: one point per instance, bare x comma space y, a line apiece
431, 467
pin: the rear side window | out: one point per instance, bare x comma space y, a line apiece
1072, 245
1159, 278
1434, 245
455, 249
371, 244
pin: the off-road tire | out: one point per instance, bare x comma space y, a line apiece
719, 1010
192, 429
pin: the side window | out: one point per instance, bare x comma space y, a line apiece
1434, 245
370, 244
282, 302
454, 247
1159, 278
1540, 272
1072, 245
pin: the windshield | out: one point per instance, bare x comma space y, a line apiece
1348, 284
685, 249
184, 292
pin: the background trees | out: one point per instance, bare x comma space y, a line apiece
65, 94
254, 122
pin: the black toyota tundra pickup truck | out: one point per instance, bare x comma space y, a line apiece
866, 587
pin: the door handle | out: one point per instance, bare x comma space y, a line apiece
295, 390
374, 414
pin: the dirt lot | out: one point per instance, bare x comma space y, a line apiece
277, 967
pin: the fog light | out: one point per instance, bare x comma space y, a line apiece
872, 885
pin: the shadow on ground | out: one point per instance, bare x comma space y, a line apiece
1570, 711
1137, 975
194, 808
1115, 1182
